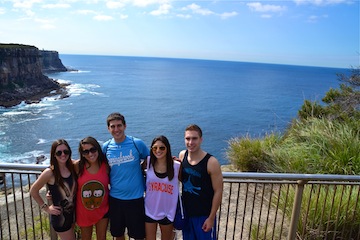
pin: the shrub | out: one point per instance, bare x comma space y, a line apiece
250, 155
319, 146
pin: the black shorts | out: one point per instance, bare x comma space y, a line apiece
164, 221
128, 214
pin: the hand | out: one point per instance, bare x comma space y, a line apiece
53, 210
176, 159
208, 225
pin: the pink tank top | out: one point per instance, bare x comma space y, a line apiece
92, 197
161, 194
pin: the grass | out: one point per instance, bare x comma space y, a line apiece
328, 212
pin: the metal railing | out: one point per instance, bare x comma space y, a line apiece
254, 206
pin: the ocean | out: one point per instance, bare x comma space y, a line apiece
161, 96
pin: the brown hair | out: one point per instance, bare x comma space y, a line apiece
194, 127
101, 157
54, 165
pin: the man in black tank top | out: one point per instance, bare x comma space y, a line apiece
202, 187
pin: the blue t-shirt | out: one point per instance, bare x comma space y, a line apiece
126, 178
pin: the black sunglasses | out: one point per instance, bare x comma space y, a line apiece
66, 152
162, 148
87, 151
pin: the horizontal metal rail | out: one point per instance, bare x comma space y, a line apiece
254, 206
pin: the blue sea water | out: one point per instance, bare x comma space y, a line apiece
162, 96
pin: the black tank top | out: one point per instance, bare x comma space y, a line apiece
197, 189
65, 198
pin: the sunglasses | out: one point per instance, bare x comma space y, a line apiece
87, 151
162, 148
58, 153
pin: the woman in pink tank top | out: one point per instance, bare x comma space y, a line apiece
93, 190
162, 189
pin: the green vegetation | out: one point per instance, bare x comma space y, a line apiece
14, 45
324, 139
41, 228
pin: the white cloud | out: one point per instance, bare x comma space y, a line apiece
198, 10
228, 15
48, 26
57, 5
45, 23
186, 16
25, 3
2, 11
124, 16
321, 2
103, 18
259, 7
266, 16
115, 4
29, 13
86, 12
145, 3
162, 10
314, 18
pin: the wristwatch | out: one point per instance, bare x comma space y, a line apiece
44, 206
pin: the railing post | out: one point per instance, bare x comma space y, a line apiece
296, 209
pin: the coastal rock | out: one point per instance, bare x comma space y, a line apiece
21, 74
51, 62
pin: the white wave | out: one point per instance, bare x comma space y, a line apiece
28, 157
63, 81
41, 141
13, 113
80, 71
78, 89
30, 120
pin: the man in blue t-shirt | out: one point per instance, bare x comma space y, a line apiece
126, 201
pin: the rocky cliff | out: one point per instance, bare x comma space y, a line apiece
51, 62
21, 74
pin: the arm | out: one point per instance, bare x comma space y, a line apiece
181, 155
217, 183
45, 177
76, 166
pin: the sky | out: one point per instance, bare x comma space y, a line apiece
296, 32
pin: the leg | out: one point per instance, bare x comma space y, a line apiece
117, 218
167, 232
67, 235
150, 229
86, 233
101, 229
135, 218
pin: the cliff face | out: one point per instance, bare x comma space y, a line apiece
21, 74
51, 62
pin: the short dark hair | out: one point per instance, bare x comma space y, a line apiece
115, 116
194, 127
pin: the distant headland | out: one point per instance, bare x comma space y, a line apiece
22, 78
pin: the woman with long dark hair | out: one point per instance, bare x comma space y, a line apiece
60, 179
162, 190
92, 196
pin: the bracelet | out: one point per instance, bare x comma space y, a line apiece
43, 206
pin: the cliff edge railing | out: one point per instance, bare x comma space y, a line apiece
254, 206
